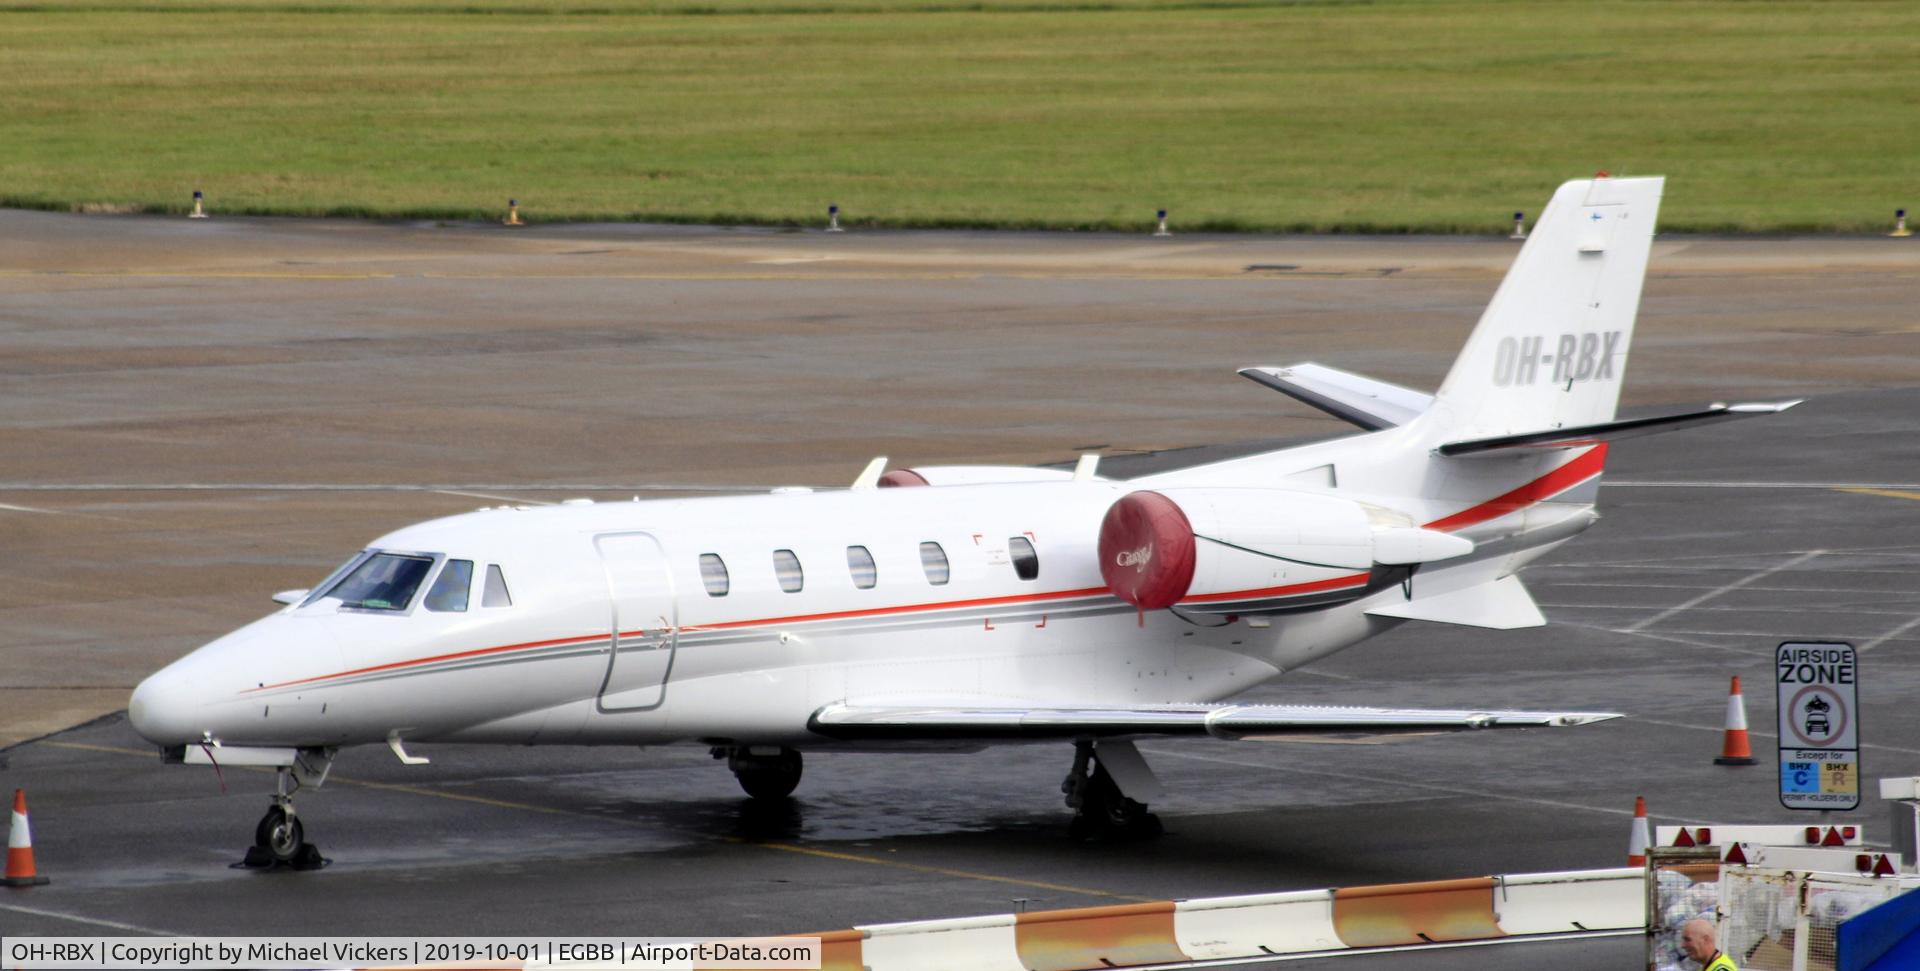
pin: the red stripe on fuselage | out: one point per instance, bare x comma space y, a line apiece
477, 652
1315, 586
903, 609
1590, 463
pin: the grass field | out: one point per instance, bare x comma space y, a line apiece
1389, 116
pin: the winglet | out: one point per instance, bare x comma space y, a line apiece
869, 477
1084, 469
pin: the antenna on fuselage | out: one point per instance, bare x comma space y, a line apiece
869, 477
1083, 470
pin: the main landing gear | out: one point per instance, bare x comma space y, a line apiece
280, 839
765, 772
1102, 812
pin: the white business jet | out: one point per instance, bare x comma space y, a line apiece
957, 607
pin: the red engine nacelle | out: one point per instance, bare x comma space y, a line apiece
1255, 550
1147, 550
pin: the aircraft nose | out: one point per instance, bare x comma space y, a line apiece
164, 710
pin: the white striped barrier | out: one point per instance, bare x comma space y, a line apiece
1528, 906
1477, 909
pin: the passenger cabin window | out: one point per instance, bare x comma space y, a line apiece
786, 567
495, 594
383, 581
448, 595
1026, 563
713, 573
933, 559
860, 564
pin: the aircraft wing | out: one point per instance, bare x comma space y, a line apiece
905, 722
1368, 403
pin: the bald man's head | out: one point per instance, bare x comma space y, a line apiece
1697, 940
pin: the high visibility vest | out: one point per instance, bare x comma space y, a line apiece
1721, 962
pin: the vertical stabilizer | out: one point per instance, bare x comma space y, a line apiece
1551, 349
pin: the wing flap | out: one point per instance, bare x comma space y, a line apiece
905, 722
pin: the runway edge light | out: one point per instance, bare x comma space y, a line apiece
20, 869
1737, 749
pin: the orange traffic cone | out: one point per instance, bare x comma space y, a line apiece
1640, 836
1736, 750
20, 847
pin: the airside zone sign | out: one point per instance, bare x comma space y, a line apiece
1819, 724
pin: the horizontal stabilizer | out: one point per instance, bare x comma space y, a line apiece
1612, 431
899, 722
1503, 604
1371, 404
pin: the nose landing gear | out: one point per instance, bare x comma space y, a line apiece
280, 839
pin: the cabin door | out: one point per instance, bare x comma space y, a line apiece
645, 621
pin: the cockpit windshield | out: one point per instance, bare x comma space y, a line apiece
382, 581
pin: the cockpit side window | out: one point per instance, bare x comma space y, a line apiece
383, 581
448, 594
496, 594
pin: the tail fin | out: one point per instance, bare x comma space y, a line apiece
1551, 349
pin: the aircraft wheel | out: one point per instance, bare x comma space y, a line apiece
767, 777
280, 835
1107, 814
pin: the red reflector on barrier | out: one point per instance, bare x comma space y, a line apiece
1833, 837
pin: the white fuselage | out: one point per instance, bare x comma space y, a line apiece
615, 636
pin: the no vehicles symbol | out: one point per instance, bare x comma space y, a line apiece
1819, 715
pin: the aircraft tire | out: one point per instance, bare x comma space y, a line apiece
1107, 814
281, 835
768, 779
